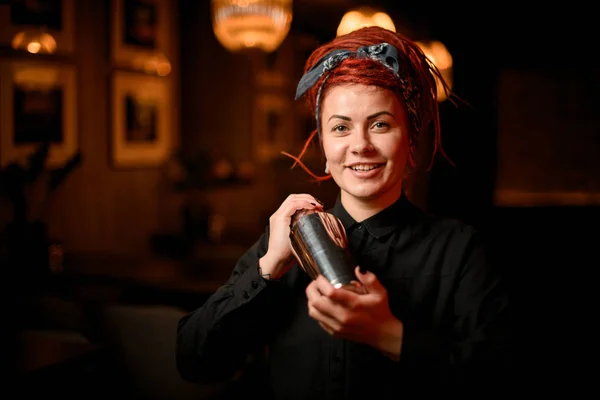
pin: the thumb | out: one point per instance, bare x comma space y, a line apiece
369, 280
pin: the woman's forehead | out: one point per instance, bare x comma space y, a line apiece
359, 98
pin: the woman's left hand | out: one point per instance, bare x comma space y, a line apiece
364, 318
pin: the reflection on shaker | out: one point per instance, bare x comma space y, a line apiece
320, 245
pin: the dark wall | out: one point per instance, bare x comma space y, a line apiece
547, 251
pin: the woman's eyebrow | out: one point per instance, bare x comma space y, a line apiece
380, 113
370, 117
339, 117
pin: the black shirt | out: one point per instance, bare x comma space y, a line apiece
440, 285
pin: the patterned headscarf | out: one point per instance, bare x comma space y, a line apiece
384, 53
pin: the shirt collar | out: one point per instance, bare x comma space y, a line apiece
382, 223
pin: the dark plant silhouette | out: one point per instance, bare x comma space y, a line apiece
30, 187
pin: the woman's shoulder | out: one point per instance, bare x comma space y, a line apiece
444, 227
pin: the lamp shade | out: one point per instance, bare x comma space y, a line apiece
362, 17
251, 24
34, 42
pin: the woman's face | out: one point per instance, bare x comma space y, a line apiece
364, 132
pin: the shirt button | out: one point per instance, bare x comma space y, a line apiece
359, 227
254, 284
246, 295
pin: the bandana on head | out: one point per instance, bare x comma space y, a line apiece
384, 53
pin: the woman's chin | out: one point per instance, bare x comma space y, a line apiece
372, 192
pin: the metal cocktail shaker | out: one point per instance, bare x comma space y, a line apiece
319, 243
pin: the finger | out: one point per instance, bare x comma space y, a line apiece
288, 209
303, 196
339, 296
327, 328
323, 318
343, 297
317, 302
324, 286
330, 311
370, 281
309, 196
312, 292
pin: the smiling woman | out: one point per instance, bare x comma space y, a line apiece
434, 315
365, 142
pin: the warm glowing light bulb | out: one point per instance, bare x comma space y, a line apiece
363, 17
34, 47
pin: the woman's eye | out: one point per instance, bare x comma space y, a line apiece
339, 128
380, 125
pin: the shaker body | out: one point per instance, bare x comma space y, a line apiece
319, 243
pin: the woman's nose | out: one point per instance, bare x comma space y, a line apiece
362, 143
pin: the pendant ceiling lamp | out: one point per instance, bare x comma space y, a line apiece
362, 17
251, 24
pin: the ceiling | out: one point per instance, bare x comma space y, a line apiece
501, 27
414, 18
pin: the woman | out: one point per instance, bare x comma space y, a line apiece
434, 315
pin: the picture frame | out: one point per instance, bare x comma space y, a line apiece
142, 120
55, 17
38, 102
140, 35
273, 130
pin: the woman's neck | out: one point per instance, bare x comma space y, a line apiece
362, 209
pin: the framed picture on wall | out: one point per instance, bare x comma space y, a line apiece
140, 35
37, 103
142, 121
25, 20
273, 130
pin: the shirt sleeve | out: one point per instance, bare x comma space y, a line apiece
214, 341
479, 348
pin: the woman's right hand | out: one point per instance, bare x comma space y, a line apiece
279, 257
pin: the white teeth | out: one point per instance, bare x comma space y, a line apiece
365, 167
